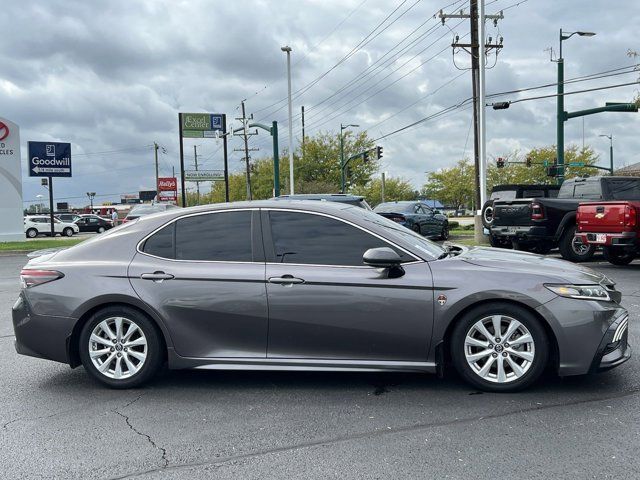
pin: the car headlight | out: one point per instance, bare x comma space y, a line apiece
581, 292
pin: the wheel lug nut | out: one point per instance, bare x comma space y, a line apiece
112, 349
494, 355
497, 340
115, 341
126, 349
491, 345
506, 345
504, 354
119, 354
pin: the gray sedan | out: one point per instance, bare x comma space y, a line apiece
279, 285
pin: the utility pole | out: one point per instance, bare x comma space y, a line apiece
477, 50
195, 162
155, 151
246, 134
382, 188
302, 108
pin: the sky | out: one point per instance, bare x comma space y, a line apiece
111, 77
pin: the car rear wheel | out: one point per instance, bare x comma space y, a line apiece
67, 232
32, 233
487, 214
100, 229
618, 256
120, 347
444, 234
499, 347
416, 228
572, 247
497, 242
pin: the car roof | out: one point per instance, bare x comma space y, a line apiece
333, 197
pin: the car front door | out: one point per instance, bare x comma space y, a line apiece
204, 274
324, 303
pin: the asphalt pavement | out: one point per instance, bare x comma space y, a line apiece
57, 423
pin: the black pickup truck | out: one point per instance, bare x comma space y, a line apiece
541, 224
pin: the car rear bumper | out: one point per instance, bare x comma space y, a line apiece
41, 336
521, 232
623, 239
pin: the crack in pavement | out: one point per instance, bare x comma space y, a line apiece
165, 460
4, 427
376, 433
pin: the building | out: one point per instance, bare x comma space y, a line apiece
630, 170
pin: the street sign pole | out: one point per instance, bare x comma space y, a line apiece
53, 230
226, 160
184, 193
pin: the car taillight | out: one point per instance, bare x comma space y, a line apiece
630, 216
31, 278
537, 213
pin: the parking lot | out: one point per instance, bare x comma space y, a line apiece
58, 423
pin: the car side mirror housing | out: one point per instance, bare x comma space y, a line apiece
382, 257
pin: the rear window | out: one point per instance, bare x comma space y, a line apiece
624, 189
532, 193
590, 190
503, 195
395, 208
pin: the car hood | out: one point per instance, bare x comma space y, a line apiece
555, 269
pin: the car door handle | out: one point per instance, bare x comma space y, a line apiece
285, 280
156, 276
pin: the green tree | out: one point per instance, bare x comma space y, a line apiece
454, 186
395, 189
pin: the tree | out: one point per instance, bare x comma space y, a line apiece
395, 189
454, 186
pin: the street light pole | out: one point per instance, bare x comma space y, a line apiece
560, 115
610, 137
287, 49
342, 173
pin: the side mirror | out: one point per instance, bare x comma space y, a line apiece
382, 257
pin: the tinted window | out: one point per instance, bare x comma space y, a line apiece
161, 243
395, 208
315, 239
552, 193
224, 236
624, 189
532, 193
590, 190
504, 195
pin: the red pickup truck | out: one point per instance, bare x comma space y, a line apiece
614, 225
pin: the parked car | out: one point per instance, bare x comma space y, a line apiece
67, 217
614, 225
147, 209
313, 285
511, 192
41, 225
93, 223
355, 200
544, 223
416, 216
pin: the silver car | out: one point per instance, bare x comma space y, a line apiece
279, 285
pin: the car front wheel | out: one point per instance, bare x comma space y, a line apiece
120, 347
100, 229
67, 232
618, 256
499, 347
32, 233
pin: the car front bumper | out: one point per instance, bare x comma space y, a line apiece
614, 349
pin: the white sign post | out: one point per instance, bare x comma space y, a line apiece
11, 213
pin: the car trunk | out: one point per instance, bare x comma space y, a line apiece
512, 213
396, 217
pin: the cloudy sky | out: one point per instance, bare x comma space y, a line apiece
110, 77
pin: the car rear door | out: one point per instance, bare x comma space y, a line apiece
204, 274
324, 303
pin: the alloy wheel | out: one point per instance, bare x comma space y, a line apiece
579, 247
499, 349
118, 348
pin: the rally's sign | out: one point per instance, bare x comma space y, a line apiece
11, 226
201, 125
167, 184
49, 159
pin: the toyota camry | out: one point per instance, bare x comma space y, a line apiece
290, 285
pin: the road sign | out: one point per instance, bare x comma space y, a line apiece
167, 184
204, 175
49, 159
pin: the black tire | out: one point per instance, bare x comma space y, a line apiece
444, 234
572, 248
32, 233
526, 318
100, 229
542, 248
416, 228
496, 242
618, 256
154, 353
67, 232
487, 214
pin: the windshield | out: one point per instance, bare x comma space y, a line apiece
394, 208
409, 236
146, 209
624, 189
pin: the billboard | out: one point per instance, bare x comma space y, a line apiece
200, 125
167, 184
12, 225
204, 175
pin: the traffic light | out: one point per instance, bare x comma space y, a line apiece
500, 162
365, 156
379, 152
528, 162
552, 171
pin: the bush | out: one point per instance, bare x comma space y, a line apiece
469, 227
454, 225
